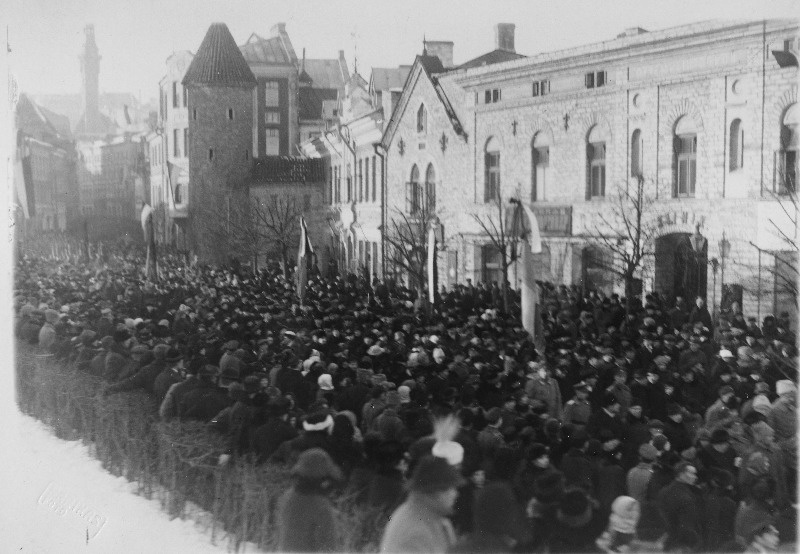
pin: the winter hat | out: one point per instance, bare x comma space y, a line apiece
434, 474
761, 404
392, 399
549, 488
173, 356
536, 451
51, 316
655, 424
725, 389
160, 351
315, 463
575, 509
494, 513
661, 443
319, 421
720, 436
785, 386
625, 512
648, 452
404, 393
444, 432
325, 382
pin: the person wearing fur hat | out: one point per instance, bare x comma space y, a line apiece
306, 518
577, 523
722, 412
421, 523
498, 522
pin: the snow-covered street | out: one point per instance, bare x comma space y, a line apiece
57, 498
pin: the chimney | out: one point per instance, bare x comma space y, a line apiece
442, 49
504, 36
632, 32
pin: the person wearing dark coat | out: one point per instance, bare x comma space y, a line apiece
700, 313
680, 505
635, 434
607, 418
498, 522
575, 465
578, 524
305, 517
719, 510
719, 454
675, 429
316, 434
144, 378
654, 399
169, 376
269, 437
204, 401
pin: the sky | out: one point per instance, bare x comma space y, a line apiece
135, 37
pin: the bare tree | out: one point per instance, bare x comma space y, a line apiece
628, 233
497, 228
407, 241
276, 223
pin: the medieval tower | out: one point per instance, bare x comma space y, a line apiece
220, 104
90, 72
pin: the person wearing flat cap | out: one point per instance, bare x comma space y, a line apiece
306, 518
421, 523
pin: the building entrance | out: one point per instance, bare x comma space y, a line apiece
681, 270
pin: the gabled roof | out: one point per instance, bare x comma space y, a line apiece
40, 123
59, 122
495, 56
388, 78
311, 99
327, 73
219, 62
430, 67
265, 50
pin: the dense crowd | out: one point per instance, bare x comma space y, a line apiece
641, 426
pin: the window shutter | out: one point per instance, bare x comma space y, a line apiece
535, 89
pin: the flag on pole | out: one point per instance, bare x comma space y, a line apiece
23, 178
531, 317
147, 215
304, 252
151, 265
431, 265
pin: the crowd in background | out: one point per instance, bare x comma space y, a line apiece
641, 426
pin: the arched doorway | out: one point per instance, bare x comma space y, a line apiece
680, 270
597, 271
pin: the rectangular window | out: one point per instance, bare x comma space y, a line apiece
360, 181
597, 169
492, 96
595, 79
186, 141
272, 117
174, 94
230, 114
176, 149
491, 264
540, 88
185, 96
210, 154
687, 165
272, 94
492, 177
273, 142
787, 172
413, 198
487, 97
541, 161
194, 114
374, 198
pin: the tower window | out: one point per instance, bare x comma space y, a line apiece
194, 114
230, 113
210, 154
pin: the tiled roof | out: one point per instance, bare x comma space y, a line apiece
495, 56
387, 78
265, 50
326, 73
311, 101
218, 61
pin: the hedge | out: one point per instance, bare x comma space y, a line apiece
174, 462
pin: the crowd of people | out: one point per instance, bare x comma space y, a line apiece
641, 426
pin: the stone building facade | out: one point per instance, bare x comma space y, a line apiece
704, 114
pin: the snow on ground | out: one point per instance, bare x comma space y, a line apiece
58, 498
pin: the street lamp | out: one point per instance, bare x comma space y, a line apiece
724, 251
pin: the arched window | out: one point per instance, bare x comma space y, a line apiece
430, 189
178, 194
636, 154
596, 162
422, 119
491, 187
736, 143
790, 143
540, 156
413, 192
684, 143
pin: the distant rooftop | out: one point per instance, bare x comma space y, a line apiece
218, 61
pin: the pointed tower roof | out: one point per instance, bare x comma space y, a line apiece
219, 61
